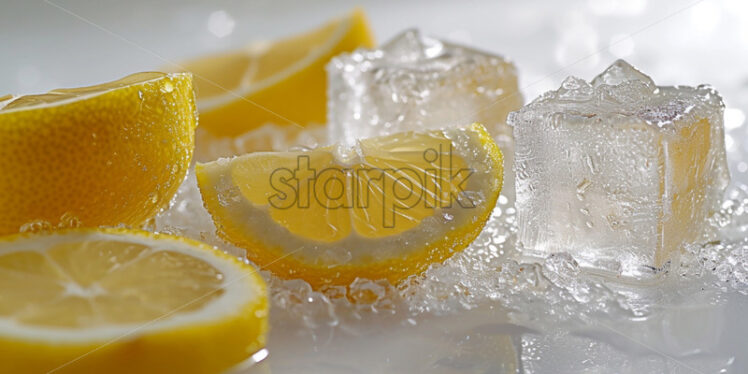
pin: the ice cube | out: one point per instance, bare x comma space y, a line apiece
621, 72
619, 172
417, 83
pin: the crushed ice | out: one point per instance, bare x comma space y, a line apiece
487, 272
554, 297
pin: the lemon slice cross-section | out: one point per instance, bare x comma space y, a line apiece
119, 301
385, 208
107, 155
281, 81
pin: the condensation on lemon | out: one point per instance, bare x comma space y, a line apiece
386, 208
281, 81
124, 301
109, 154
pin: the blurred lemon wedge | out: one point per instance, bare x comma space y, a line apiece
384, 208
281, 82
109, 154
119, 301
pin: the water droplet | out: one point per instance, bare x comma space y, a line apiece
167, 87
69, 220
37, 226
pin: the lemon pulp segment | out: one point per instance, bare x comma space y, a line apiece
281, 82
120, 301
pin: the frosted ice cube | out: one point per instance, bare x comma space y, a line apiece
415, 82
619, 172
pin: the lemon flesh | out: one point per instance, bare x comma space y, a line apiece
385, 209
118, 301
107, 155
281, 82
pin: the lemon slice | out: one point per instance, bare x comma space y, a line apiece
280, 82
107, 155
119, 301
385, 208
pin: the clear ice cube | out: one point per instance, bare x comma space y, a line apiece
418, 83
619, 172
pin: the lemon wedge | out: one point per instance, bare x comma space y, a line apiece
384, 208
123, 301
281, 82
109, 154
